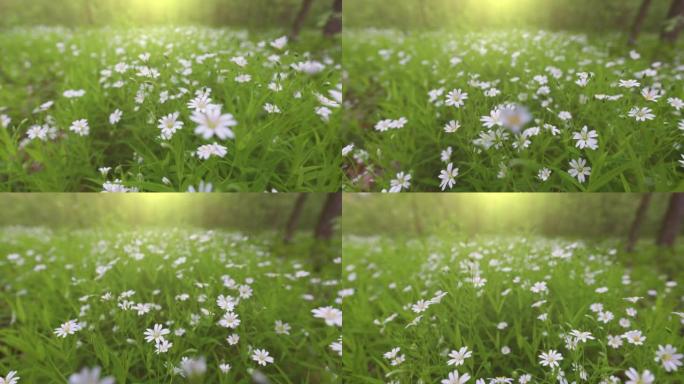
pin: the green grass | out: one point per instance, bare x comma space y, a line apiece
52, 278
391, 74
295, 150
390, 275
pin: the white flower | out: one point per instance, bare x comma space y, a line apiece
169, 124
310, 67
564, 115
579, 169
455, 378
156, 333
224, 367
202, 187
347, 149
193, 367
676, 103
233, 339
68, 328
628, 83
11, 378
279, 43
641, 114
115, 117
213, 122
614, 341
38, 132
162, 346
550, 358
544, 174
71, 93
403, 181
227, 303
80, 127
448, 177
634, 337
452, 126
636, 378
229, 320
514, 117
332, 316
261, 356
208, 150
586, 138
271, 108
90, 376
669, 358
386, 124
456, 98
420, 306
458, 356
282, 328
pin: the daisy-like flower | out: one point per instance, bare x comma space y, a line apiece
336, 346
544, 174
420, 306
115, 117
458, 356
634, 337
641, 114
213, 122
452, 126
201, 188
261, 356
456, 98
80, 127
200, 103
229, 320
162, 346
206, 151
282, 328
227, 303
614, 341
5, 121
68, 328
639, 378
403, 181
586, 138
279, 43
628, 83
514, 117
193, 367
156, 333
11, 378
38, 132
332, 316
169, 124
669, 358
456, 378
271, 108
676, 103
448, 177
581, 336
233, 339
550, 359
565, 115
224, 367
90, 376
579, 169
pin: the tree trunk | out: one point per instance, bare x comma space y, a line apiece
334, 24
293, 221
639, 21
638, 220
672, 221
675, 15
332, 208
299, 20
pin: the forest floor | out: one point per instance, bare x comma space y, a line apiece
220, 301
165, 109
508, 309
511, 111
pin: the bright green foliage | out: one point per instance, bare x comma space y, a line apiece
295, 149
490, 304
391, 75
51, 277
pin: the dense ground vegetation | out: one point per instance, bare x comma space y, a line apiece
162, 305
456, 309
168, 109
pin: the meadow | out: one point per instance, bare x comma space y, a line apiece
511, 110
165, 306
162, 109
452, 309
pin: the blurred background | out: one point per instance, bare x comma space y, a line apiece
628, 217
251, 14
582, 15
286, 214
